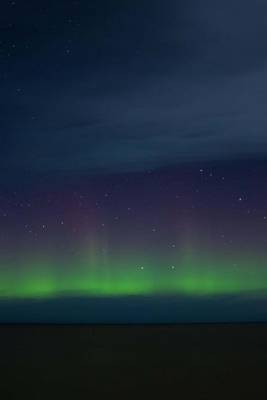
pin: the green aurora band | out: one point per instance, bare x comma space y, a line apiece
95, 276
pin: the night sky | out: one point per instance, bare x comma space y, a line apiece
133, 159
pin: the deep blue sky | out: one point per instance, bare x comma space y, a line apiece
135, 128
118, 86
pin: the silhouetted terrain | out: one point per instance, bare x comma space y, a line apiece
198, 361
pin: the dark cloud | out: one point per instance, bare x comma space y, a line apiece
121, 86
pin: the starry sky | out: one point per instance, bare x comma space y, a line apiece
133, 158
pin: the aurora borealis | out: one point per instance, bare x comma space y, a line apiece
194, 278
192, 232
133, 164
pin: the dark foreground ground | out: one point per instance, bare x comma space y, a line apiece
223, 361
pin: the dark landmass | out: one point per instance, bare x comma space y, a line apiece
193, 361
